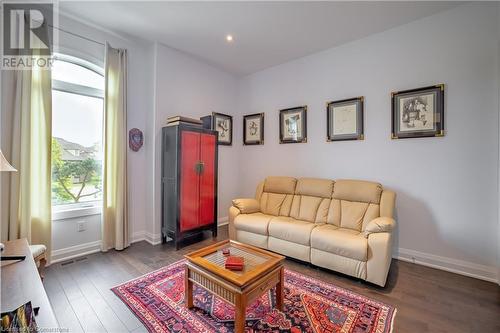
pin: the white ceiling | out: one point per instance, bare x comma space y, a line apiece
265, 33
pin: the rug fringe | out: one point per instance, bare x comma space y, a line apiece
392, 320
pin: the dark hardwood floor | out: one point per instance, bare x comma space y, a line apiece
428, 300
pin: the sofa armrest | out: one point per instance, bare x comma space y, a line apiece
380, 224
233, 212
379, 257
247, 206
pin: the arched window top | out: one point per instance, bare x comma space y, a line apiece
77, 71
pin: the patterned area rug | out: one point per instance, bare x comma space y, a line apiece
157, 299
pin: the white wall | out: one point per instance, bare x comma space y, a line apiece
68, 242
140, 103
447, 205
186, 86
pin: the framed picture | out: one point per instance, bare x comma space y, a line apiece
344, 119
253, 129
293, 125
223, 124
418, 112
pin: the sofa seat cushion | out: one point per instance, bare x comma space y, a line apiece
292, 230
341, 241
256, 223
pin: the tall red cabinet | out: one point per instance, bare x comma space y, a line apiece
189, 182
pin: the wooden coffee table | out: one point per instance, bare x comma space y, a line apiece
263, 270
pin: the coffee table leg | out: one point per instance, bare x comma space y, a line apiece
239, 318
279, 290
188, 290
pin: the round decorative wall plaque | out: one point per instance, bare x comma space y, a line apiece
135, 139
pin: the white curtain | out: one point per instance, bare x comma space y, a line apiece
115, 230
30, 187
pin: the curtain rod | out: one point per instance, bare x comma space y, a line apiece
80, 36
73, 34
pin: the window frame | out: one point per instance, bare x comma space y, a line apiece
76, 210
74, 88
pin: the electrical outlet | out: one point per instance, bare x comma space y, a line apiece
81, 226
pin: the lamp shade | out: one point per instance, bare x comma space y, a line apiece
4, 165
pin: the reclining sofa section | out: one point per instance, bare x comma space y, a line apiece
343, 225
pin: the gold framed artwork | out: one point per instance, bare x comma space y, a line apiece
293, 125
418, 113
344, 119
253, 129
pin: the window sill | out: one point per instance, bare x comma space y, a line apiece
75, 212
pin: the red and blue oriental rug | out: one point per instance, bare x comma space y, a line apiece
157, 299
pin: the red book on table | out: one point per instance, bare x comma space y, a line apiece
235, 263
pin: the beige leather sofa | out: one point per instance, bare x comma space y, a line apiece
343, 225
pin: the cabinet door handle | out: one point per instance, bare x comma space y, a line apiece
199, 167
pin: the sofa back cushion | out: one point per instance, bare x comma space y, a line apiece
357, 190
277, 195
312, 199
280, 185
354, 203
344, 203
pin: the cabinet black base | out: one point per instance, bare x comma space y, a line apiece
188, 238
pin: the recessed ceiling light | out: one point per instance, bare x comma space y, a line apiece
229, 38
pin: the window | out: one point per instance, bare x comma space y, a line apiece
77, 132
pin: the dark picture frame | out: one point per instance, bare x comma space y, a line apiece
418, 113
293, 125
223, 124
341, 123
253, 129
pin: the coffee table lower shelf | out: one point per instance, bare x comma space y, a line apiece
240, 297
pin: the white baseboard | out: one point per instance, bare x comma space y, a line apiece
222, 221
138, 236
80, 250
153, 239
467, 268
72, 252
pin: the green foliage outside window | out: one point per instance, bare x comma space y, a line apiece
74, 180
